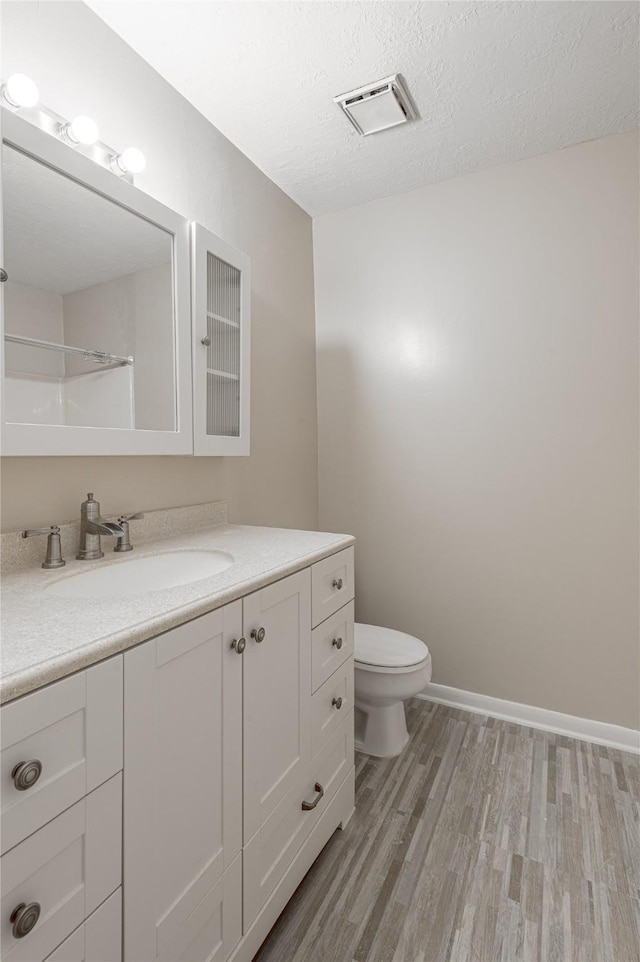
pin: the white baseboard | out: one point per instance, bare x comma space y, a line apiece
614, 736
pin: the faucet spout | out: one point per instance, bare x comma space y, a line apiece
104, 527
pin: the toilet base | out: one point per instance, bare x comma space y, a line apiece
381, 730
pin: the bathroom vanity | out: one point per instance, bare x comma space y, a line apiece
173, 761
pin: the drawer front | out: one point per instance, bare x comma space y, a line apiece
273, 847
330, 705
331, 585
97, 939
331, 645
73, 729
68, 868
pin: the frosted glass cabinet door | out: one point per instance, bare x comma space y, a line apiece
221, 295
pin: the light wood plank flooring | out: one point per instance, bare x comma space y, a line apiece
483, 841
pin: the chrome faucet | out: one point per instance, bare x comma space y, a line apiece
92, 526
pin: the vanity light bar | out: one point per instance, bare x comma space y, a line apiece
82, 130
21, 93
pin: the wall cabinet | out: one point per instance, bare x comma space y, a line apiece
110, 299
96, 346
238, 766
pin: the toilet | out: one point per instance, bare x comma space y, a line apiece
390, 667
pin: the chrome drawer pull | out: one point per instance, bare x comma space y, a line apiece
26, 774
23, 918
337, 643
307, 806
258, 635
239, 645
337, 702
337, 584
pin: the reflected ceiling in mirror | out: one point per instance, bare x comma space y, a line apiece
89, 274
61, 237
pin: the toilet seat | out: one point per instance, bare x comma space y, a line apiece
387, 651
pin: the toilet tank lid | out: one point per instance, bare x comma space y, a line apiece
386, 647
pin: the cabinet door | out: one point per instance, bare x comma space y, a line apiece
221, 295
277, 695
183, 781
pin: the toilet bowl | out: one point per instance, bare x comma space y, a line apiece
389, 668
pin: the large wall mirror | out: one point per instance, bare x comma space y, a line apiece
96, 307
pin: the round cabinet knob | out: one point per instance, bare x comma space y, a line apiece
206, 340
26, 774
337, 643
23, 918
337, 702
239, 645
337, 583
258, 635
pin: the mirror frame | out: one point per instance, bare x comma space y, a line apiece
40, 440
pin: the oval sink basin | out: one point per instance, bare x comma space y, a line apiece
139, 575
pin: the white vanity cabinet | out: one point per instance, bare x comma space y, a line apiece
236, 773
237, 761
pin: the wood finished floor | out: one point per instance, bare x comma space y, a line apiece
483, 841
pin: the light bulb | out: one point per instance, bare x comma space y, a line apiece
82, 130
20, 91
130, 161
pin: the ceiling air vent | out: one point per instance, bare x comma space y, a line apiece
377, 106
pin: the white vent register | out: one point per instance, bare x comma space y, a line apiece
378, 106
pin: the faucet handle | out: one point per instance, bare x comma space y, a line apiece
123, 543
53, 557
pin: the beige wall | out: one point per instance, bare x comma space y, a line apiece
82, 67
478, 422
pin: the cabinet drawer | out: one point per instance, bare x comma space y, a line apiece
331, 645
73, 729
273, 847
97, 939
330, 704
331, 585
68, 868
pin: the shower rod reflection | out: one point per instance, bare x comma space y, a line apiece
99, 357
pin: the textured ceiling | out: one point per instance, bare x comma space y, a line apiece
493, 82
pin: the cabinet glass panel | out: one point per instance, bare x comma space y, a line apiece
223, 349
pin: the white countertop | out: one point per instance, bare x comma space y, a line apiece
46, 638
